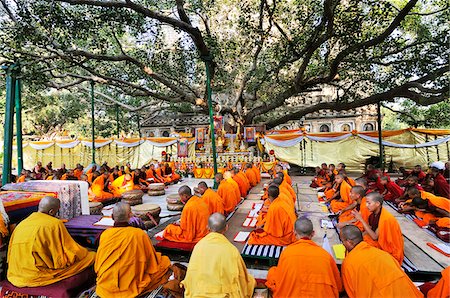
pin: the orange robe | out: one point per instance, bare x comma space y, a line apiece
241, 184
150, 175
318, 276
251, 176
97, 188
257, 173
21, 179
245, 179
390, 237
119, 186
442, 288
344, 192
287, 178
214, 201
89, 177
262, 215
229, 193
288, 189
370, 272
159, 172
77, 173
64, 177
127, 263
193, 222
278, 227
439, 202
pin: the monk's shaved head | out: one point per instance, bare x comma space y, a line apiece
185, 190
227, 175
49, 205
218, 176
121, 212
217, 223
359, 190
277, 181
351, 233
203, 185
361, 182
375, 197
235, 170
280, 175
413, 192
303, 227
273, 192
419, 203
248, 166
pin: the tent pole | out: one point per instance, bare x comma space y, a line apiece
93, 124
380, 136
9, 122
18, 99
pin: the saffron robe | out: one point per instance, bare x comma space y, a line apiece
442, 288
127, 263
120, 185
214, 201
390, 237
251, 176
193, 222
230, 194
370, 272
278, 227
216, 269
289, 189
98, 187
318, 276
344, 192
41, 252
287, 178
439, 202
241, 184
257, 173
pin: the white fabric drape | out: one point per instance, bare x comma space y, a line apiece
97, 144
128, 145
156, 144
329, 139
390, 144
40, 146
68, 145
287, 143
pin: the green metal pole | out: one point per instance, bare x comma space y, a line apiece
8, 125
18, 97
93, 125
117, 121
208, 60
380, 136
139, 125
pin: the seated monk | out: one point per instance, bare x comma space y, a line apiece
151, 174
411, 182
428, 207
342, 198
442, 288
139, 183
257, 173
321, 177
317, 277
251, 176
193, 221
78, 171
100, 188
392, 190
228, 190
41, 251
283, 196
122, 184
22, 177
284, 184
114, 175
212, 199
244, 185
381, 228
357, 194
167, 171
279, 223
371, 272
216, 268
284, 192
159, 172
126, 263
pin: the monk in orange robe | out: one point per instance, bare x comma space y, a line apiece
286, 186
279, 223
78, 171
442, 288
212, 199
251, 176
427, 206
151, 174
228, 190
114, 175
159, 173
22, 177
342, 200
357, 194
193, 221
122, 184
99, 187
381, 229
371, 272
257, 173
318, 276
126, 263
245, 179
287, 178
241, 183
285, 197
284, 192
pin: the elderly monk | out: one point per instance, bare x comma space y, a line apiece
216, 268
126, 263
251, 176
212, 199
342, 198
122, 184
41, 251
428, 207
99, 188
243, 184
318, 276
193, 221
370, 272
381, 228
228, 190
278, 224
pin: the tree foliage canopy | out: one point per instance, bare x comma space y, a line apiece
149, 55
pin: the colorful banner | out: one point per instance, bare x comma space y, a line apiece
183, 148
200, 134
250, 134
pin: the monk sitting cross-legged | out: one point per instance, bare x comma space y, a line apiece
342, 198
216, 268
285, 185
41, 251
251, 176
228, 190
357, 194
193, 221
122, 184
244, 185
381, 228
212, 199
318, 276
370, 272
127, 264
279, 223
392, 190
99, 188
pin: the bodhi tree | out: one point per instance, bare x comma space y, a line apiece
266, 56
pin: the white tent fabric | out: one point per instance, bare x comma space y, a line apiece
97, 144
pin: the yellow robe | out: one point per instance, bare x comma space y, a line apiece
127, 263
216, 269
41, 252
119, 186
